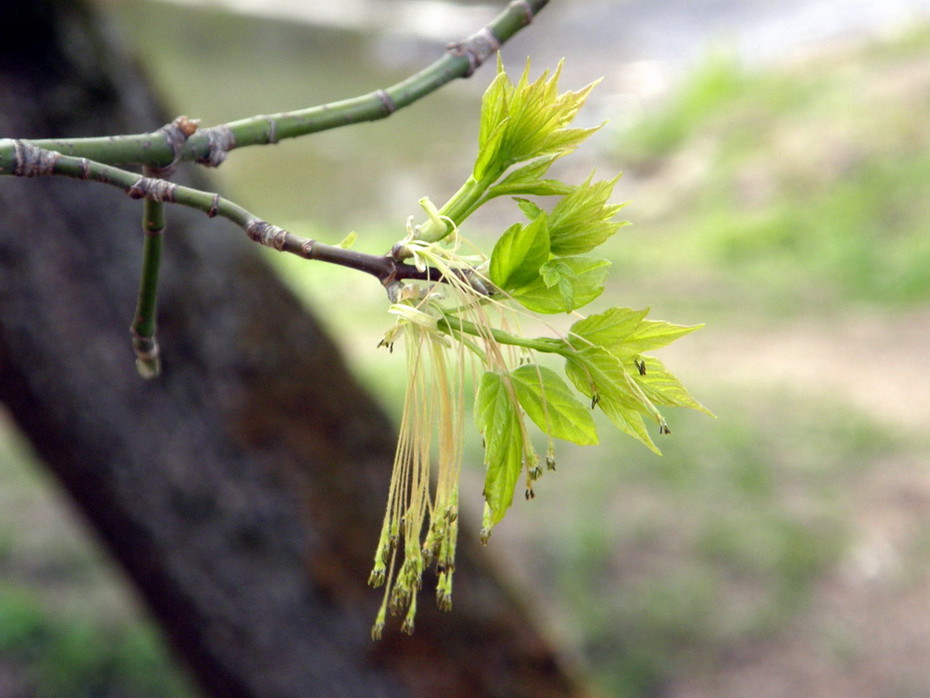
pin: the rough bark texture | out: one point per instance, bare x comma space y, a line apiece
242, 491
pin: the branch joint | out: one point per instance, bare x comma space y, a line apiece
267, 234
477, 48
32, 161
220, 140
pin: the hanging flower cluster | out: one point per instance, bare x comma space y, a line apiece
462, 327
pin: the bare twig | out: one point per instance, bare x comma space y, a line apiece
383, 267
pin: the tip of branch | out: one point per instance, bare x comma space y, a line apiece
149, 368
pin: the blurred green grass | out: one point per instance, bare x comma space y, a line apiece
807, 182
798, 190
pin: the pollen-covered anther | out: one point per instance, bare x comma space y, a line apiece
376, 578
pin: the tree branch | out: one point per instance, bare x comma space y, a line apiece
32, 161
164, 148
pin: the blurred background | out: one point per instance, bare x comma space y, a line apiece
776, 158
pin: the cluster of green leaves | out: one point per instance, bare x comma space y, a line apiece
605, 363
545, 266
541, 266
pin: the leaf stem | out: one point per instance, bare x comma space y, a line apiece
455, 325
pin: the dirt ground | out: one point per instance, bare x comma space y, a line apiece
866, 632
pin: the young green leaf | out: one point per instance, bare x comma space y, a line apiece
599, 375
552, 406
519, 253
528, 180
529, 208
583, 219
608, 329
625, 332
498, 420
564, 284
534, 119
493, 108
664, 389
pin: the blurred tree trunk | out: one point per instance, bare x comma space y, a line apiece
242, 491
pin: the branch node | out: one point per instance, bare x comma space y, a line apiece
220, 140
389, 106
306, 249
33, 161
264, 233
477, 48
154, 189
148, 361
214, 206
176, 134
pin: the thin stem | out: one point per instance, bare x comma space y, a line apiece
209, 146
457, 326
143, 326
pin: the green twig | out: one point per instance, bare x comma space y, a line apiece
143, 326
164, 148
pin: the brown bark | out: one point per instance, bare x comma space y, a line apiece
242, 491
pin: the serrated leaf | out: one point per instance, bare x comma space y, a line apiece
494, 105
552, 406
599, 375
564, 284
608, 329
653, 334
498, 421
626, 332
519, 253
662, 387
527, 180
529, 208
583, 219
488, 151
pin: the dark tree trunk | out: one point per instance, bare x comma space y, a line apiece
242, 491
